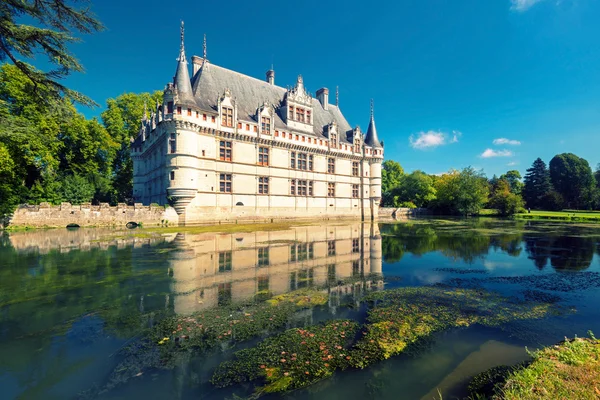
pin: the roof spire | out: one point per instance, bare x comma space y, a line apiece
204, 48
371, 138
181, 80
182, 49
337, 96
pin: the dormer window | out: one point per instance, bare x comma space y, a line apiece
265, 126
291, 112
308, 116
357, 146
333, 140
227, 117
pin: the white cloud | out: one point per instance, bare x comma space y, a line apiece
509, 142
431, 139
489, 153
512, 163
523, 5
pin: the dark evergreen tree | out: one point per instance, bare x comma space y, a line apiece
536, 184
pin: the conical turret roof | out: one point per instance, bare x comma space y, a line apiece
181, 80
371, 139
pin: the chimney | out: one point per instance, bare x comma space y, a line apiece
197, 63
323, 97
271, 77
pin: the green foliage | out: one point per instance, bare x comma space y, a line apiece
572, 177
54, 24
416, 188
536, 184
513, 177
504, 200
464, 192
391, 174
122, 121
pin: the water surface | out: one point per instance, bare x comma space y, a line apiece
70, 301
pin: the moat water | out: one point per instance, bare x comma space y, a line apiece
72, 301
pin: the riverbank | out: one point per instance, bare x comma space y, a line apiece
568, 370
563, 216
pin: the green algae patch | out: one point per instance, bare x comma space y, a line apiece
302, 298
294, 359
569, 370
397, 320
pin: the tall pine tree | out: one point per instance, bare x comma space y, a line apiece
536, 184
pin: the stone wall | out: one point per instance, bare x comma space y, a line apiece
46, 215
397, 213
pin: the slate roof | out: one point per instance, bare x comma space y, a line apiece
371, 138
249, 93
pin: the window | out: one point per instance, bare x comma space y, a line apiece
227, 116
308, 116
179, 110
255, 128
291, 112
172, 175
311, 250
355, 246
300, 114
265, 127
331, 248
225, 258
263, 156
170, 107
331, 274
333, 140
357, 146
293, 187
310, 188
355, 268
263, 283
248, 127
263, 256
263, 185
310, 162
331, 189
302, 161
239, 125
355, 191
224, 294
173, 143
189, 112
225, 183
224, 150
354, 169
197, 114
203, 117
213, 119
302, 187
293, 160
331, 165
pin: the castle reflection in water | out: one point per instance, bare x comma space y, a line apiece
214, 269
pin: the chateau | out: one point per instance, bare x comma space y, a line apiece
226, 146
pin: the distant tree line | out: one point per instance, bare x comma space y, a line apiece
568, 183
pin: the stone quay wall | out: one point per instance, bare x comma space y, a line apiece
45, 215
398, 213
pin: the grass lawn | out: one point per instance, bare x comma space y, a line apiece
570, 370
589, 216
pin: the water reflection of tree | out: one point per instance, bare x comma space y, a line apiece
465, 243
566, 253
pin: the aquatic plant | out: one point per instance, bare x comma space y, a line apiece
397, 319
291, 360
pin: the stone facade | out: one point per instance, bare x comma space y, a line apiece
46, 215
226, 146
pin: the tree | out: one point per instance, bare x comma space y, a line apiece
463, 192
391, 173
536, 184
122, 121
572, 177
513, 177
504, 200
416, 187
55, 24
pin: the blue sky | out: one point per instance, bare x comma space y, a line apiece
487, 83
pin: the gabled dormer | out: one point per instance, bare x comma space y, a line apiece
298, 107
356, 138
330, 131
265, 116
227, 110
